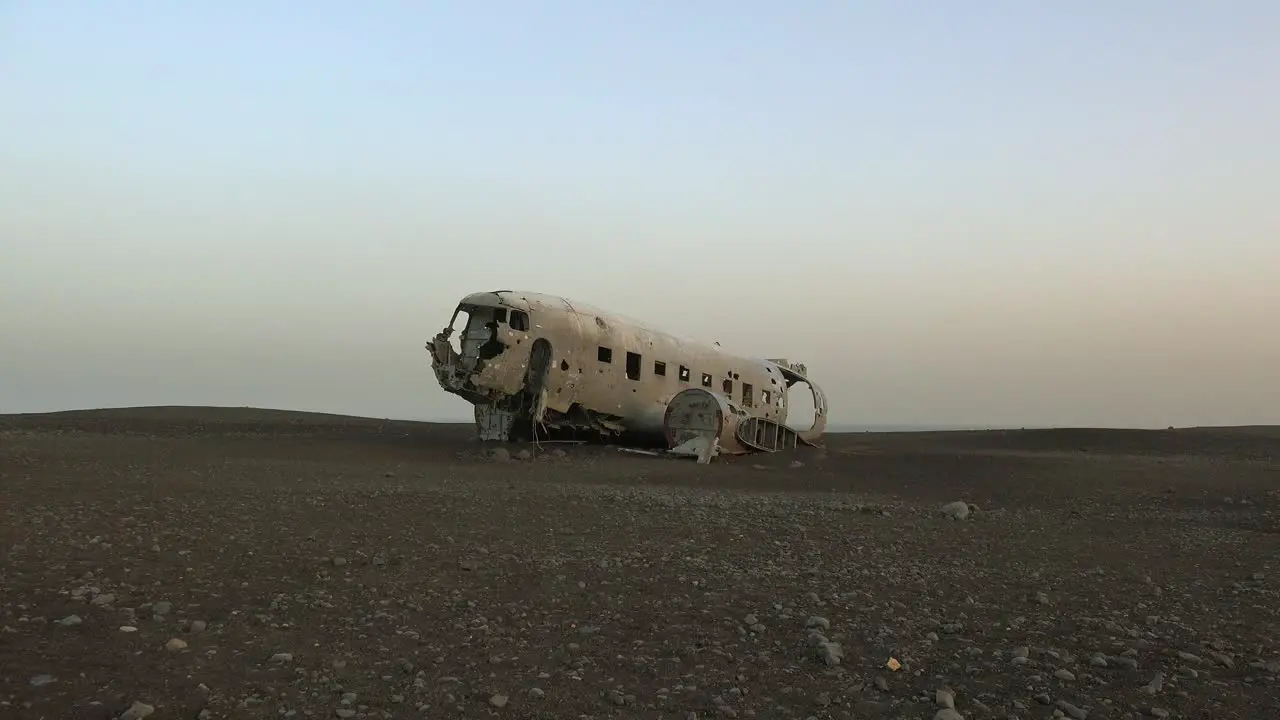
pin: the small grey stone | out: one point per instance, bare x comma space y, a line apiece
70, 620
498, 701
831, 653
816, 621
871, 708
137, 711
282, 657
945, 699
1072, 711
1064, 674
162, 608
958, 510
198, 626
41, 680
1125, 662
947, 714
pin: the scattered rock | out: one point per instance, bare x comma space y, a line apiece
137, 711
830, 653
945, 699
1072, 711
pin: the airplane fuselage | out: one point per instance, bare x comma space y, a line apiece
543, 358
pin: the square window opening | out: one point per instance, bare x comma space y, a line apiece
633, 366
684, 374
747, 399
659, 368
706, 379
604, 354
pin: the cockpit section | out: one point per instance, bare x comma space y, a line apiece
476, 332
472, 355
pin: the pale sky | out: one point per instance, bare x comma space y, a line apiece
983, 212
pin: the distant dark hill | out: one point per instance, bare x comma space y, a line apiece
1242, 442
224, 421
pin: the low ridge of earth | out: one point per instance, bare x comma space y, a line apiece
238, 563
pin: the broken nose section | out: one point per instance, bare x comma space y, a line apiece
454, 372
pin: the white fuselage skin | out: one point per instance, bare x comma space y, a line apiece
613, 365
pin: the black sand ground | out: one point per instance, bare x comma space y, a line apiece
244, 564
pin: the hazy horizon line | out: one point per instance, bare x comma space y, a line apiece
832, 428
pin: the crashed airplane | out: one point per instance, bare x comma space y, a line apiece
531, 363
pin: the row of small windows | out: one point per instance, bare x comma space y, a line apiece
605, 355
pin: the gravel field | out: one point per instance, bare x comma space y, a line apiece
236, 563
